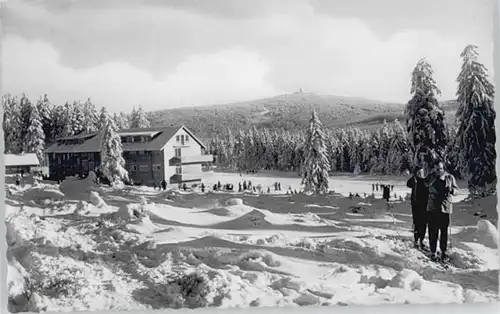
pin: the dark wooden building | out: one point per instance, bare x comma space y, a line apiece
151, 155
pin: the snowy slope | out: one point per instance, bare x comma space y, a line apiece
135, 248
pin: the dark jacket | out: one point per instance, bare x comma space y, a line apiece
419, 193
440, 192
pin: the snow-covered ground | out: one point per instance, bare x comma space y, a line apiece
78, 246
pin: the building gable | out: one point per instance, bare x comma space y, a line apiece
192, 136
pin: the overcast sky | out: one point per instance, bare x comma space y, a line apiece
173, 53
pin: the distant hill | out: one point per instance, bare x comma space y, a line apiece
290, 112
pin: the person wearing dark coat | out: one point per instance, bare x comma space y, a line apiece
442, 185
419, 198
164, 185
386, 193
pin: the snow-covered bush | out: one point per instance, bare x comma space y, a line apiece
82, 208
188, 290
96, 199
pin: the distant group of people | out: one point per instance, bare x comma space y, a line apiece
431, 207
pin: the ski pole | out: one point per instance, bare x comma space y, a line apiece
449, 232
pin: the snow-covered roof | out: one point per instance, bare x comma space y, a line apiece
21, 160
152, 134
93, 143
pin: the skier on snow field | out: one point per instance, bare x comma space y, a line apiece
442, 186
419, 198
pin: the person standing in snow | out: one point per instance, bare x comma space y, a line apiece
163, 184
18, 179
419, 198
442, 185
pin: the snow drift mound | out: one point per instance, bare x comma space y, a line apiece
484, 233
487, 233
41, 193
251, 220
79, 189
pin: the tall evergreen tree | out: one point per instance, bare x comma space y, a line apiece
101, 122
58, 122
424, 117
35, 136
68, 128
139, 119
25, 114
90, 120
78, 117
12, 124
121, 121
112, 162
316, 165
476, 117
44, 108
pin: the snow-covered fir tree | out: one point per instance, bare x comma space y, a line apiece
12, 124
35, 136
78, 117
112, 162
121, 121
25, 114
316, 166
103, 116
476, 117
58, 122
90, 120
424, 117
68, 128
45, 108
139, 119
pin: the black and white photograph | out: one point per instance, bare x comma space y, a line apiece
187, 154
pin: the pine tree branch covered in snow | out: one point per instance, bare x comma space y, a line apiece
476, 115
112, 162
316, 166
424, 117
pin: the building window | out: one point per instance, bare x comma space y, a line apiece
131, 152
143, 168
157, 167
178, 138
141, 152
133, 168
186, 138
178, 152
178, 170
